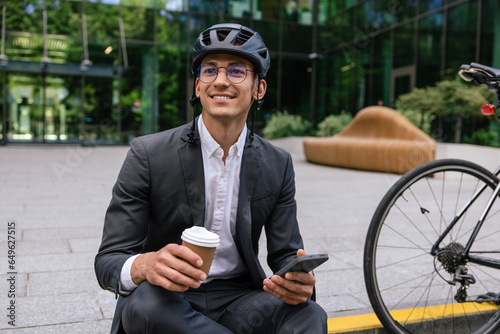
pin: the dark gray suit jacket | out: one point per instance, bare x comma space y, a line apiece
160, 191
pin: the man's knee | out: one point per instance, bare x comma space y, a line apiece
150, 307
307, 317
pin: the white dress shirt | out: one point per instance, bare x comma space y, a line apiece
221, 202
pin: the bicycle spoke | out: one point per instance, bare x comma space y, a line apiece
405, 280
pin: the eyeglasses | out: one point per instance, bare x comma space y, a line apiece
235, 73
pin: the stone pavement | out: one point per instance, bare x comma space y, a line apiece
53, 200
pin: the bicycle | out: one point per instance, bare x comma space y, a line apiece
432, 250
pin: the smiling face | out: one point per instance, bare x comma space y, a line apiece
224, 101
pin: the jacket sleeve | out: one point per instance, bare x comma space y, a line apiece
127, 217
282, 230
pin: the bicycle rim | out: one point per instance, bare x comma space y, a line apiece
410, 290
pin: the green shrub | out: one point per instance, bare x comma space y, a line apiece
415, 117
482, 137
333, 124
282, 124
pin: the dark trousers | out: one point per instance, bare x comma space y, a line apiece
221, 306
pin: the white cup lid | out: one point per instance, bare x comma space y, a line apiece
200, 236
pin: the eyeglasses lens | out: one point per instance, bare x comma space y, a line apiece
235, 73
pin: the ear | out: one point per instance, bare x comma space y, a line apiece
261, 91
197, 87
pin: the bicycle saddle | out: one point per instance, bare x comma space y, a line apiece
478, 73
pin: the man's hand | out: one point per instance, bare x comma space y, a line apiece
174, 267
295, 288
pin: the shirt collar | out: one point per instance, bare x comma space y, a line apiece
209, 144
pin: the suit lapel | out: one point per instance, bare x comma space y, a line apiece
194, 177
250, 169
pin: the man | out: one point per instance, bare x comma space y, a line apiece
210, 173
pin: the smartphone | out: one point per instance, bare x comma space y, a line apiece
304, 263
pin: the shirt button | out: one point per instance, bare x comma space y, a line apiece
218, 152
219, 205
223, 175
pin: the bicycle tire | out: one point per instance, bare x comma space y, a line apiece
409, 289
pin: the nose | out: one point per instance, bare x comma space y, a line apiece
221, 78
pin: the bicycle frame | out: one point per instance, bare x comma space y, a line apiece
465, 253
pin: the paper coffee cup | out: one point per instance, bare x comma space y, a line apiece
203, 243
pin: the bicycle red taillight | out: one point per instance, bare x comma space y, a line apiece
488, 109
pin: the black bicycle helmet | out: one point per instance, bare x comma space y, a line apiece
233, 39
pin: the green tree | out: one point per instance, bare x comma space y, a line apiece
446, 98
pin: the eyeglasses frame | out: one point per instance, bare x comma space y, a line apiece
217, 68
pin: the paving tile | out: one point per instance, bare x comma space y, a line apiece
20, 283
88, 327
53, 262
41, 284
107, 302
36, 247
85, 245
55, 309
62, 233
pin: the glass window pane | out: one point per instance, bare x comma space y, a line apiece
427, 5
62, 49
138, 23
199, 23
139, 3
297, 38
104, 52
26, 16
23, 46
209, 7
295, 98
137, 94
240, 8
430, 50
102, 21
461, 36
64, 18
271, 97
172, 85
266, 9
299, 11
24, 106
62, 109
404, 45
381, 73
490, 27
101, 118
323, 11
269, 32
110, 2
171, 27
173, 5
402, 10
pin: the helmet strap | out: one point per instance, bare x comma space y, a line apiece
193, 101
260, 102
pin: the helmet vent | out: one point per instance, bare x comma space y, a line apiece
263, 54
205, 38
243, 37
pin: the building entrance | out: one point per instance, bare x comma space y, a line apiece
43, 108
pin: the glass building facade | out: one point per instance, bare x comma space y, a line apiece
106, 71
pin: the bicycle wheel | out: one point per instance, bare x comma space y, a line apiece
413, 291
